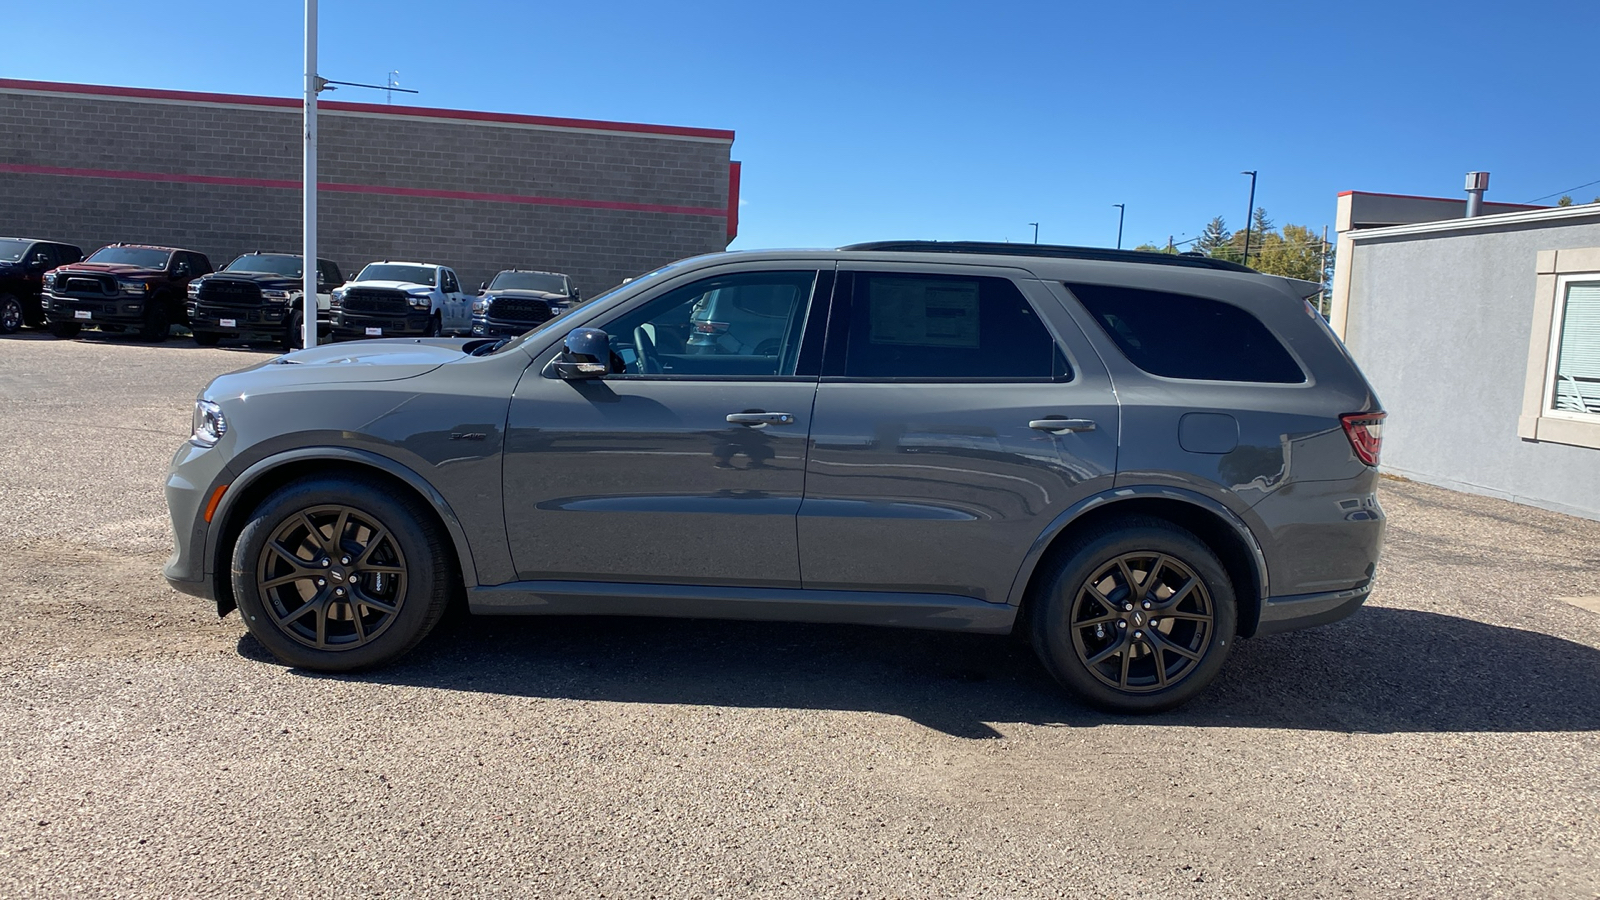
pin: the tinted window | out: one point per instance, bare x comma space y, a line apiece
328, 272
43, 256
67, 254
397, 272
450, 284
267, 264
1178, 336
946, 326
529, 281
748, 324
142, 257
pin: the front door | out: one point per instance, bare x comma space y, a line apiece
957, 416
686, 466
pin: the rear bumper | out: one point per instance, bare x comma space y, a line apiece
355, 325
1280, 614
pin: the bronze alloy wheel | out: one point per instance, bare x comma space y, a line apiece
1142, 622
332, 577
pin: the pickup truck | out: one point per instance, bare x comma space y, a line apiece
258, 296
401, 299
23, 264
123, 287
521, 299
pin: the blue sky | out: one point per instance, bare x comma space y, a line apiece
866, 120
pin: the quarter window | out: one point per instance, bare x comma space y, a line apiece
1575, 382
947, 327
1179, 336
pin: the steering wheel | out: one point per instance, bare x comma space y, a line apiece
645, 347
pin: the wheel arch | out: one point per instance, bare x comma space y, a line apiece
267, 475
1217, 526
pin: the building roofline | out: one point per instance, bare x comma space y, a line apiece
1437, 199
1478, 223
371, 109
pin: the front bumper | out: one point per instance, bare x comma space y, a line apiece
120, 310
486, 326
193, 479
234, 321
348, 326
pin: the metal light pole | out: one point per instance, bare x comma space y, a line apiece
309, 185
1249, 215
1122, 209
1035, 231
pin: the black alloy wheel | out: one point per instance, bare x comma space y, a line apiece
340, 573
11, 318
1136, 616
293, 335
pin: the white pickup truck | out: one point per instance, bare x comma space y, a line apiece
401, 299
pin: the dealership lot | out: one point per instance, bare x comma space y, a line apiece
1447, 738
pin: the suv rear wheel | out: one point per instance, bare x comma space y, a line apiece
336, 574
1136, 617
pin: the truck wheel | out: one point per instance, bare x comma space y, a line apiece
65, 329
207, 338
10, 314
157, 323
293, 335
339, 573
435, 327
1137, 617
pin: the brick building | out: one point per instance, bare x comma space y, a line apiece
479, 192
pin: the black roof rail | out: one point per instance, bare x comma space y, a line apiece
1052, 251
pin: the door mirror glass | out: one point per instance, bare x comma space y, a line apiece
586, 354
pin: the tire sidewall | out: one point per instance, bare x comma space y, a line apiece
427, 584
8, 303
157, 322
1052, 634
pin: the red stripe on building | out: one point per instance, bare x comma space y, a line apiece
104, 90
733, 199
339, 188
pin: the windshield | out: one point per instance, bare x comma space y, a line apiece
397, 272
143, 257
564, 321
11, 249
268, 264
529, 281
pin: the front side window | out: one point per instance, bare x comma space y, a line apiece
954, 327
744, 325
1180, 336
143, 257
450, 284
328, 272
1575, 386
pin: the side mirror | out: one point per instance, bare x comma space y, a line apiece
483, 286
576, 295
586, 354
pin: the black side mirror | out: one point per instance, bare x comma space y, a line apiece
585, 355
576, 295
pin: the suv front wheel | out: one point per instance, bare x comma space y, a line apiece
1136, 617
336, 574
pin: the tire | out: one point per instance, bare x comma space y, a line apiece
1113, 657
293, 338
11, 316
289, 618
157, 323
435, 326
65, 330
207, 338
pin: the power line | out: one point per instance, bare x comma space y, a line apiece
1567, 191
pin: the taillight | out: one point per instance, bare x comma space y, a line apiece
1365, 431
710, 327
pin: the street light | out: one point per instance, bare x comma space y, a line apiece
1122, 209
1035, 231
308, 264
1249, 214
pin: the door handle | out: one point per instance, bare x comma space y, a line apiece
758, 419
1058, 426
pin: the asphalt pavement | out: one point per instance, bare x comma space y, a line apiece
1444, 741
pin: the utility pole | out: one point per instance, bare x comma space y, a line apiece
308, 264
1122, 208
1249, 214
1322, 273
1035, 231
1170, 247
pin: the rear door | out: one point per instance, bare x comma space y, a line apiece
960, 411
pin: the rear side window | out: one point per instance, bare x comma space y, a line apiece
1179, 336
947, 327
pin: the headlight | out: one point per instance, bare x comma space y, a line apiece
338, 294
194, 290
132, 287
420, 301
209, 424
280, 295
479, 307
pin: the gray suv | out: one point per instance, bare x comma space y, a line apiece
1130, 458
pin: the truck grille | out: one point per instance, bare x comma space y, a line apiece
531, 311
375, 300
89, 284
229, 293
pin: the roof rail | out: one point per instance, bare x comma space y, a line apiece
1053, 251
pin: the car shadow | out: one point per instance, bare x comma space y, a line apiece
1381, 671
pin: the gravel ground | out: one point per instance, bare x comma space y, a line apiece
1443, 741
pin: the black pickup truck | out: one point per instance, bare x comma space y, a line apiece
259, 296
122, 287
23, 262
518, 300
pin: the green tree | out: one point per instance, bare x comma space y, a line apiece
1214, 239
1296, 253
1566, 200
1154, 248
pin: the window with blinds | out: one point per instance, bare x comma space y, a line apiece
1577, 369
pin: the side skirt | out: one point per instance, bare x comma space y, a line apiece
939, 612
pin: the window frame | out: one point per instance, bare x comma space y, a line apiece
841, 314
1539, 422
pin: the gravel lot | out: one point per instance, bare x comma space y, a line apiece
1445, 740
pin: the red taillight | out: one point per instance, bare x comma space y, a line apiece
710, 327
1365, 431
